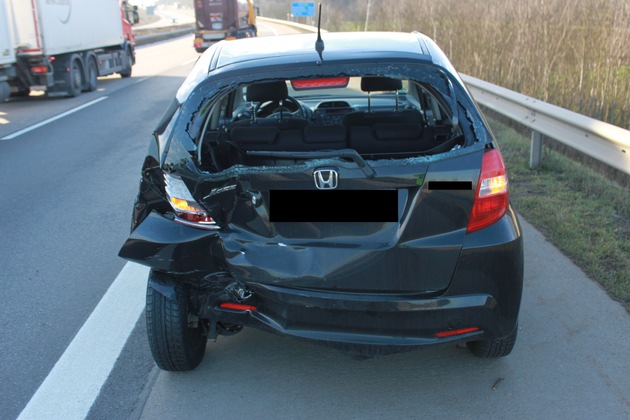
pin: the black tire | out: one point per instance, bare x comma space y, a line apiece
21, 93
175, 345
5, 91
490, 349
126, 72
74, 79
91, 81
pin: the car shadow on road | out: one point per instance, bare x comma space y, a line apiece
259, 375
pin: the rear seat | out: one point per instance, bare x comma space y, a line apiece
272, 138
324, 138
399, 138
269, 138
248, 137
383, 132
370, 119
385, 138
379, 139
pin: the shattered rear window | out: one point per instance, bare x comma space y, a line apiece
383, 113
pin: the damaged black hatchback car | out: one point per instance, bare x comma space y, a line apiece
355, 198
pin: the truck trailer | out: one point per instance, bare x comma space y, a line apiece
62, 46
7, 53
216, 20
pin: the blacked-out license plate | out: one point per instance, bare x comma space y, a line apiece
333, 206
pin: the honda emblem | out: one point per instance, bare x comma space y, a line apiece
326, 179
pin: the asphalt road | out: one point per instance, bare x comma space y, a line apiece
67, 191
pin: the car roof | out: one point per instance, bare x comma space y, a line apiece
338, 45
243, 55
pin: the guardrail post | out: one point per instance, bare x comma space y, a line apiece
535, 157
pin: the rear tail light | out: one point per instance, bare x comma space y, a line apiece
325, 82
187, 210
492, 195
39, 69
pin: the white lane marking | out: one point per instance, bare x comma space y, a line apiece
55, 118
75, 381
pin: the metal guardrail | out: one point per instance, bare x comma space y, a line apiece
605, 142
300, 26
151, 35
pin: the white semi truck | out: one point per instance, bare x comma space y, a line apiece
7, 53
62, 46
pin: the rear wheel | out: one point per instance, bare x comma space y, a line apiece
21, 92
74, 79
5, 91
126, 72
91, 81
177, 337
498, 347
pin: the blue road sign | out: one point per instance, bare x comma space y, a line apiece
302, 8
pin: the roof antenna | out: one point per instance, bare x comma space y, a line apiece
319, 44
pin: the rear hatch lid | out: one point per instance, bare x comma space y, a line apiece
394, 226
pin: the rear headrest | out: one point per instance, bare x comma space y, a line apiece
379, 83
268, 91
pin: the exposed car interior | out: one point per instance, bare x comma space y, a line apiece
378, 117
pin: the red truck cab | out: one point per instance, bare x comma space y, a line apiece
216, 20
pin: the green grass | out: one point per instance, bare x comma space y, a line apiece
581, 212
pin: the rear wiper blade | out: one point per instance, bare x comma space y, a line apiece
342, 153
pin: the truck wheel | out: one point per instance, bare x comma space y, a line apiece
126, 72
5, 91
176, 337
498, 347
74, 79
91, 80
21, 93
